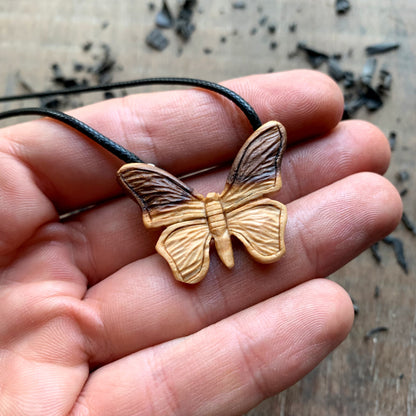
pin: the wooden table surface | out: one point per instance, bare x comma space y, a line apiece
373, 377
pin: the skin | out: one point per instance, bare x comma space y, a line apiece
93, 322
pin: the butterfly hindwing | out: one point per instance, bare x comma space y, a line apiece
163, 198
260, 225
185, 246
256, 168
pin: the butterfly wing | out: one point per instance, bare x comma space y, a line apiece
260, 226
163, 198
256, 168
185, 246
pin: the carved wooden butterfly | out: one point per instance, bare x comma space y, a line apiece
240, 210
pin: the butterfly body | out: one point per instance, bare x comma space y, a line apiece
241, 210
218, 227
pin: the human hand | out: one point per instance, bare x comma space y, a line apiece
92, 321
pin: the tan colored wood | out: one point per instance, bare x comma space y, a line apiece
193, 221
360, 377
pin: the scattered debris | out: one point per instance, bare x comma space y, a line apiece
375, 331
392, 138
87, 46
361, 92
108, 95
386, 80
271, 29
381, 48
355, 306
398, 251
164, 18
408, 223
293, 27
349, 80
157, 40
104, 69
372, 99
315, 58
403, 192
273, 45
368, 71
342, 6
263, 21
184, 25
62, 81
335, 70
375, 252
239, 5
402, 175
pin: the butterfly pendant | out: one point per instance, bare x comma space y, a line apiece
240, 210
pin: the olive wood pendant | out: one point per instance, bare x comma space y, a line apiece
241, 210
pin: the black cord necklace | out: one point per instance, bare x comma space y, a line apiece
193, 220
104, 141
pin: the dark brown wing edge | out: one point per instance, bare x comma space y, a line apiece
153, 188
260, 157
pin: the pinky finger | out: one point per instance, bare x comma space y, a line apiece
229, 367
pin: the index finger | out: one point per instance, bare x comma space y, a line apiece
180, 131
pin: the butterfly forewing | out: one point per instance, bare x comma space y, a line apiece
256, 168
163, 198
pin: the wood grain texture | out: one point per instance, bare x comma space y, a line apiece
193, 221
360, 377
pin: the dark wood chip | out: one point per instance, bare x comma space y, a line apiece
392, 138
375, 331
239, 5
402, 175
408, 223
398, 249
335, 70
342, 6
273, 45
315, 58
157, 40
271, 29
293, 27
164, 17
184, 25
381, 48
375, 252
368, 71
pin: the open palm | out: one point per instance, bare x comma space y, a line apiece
92, 322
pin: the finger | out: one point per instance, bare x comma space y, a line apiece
142, 305
235, 363
116, 235
178, 130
